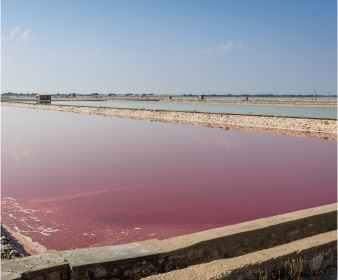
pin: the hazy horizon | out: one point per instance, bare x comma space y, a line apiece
176, 94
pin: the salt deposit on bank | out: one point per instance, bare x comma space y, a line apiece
305, 127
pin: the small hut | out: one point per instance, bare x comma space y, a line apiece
43, 98
201, 96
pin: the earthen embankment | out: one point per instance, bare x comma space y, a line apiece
10, 249
304, 127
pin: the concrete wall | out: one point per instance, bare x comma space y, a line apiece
136, 260
311, 257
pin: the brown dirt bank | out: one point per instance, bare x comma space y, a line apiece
23, 244
10, 248
303, 127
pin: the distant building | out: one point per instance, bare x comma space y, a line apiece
201, 96
43, 98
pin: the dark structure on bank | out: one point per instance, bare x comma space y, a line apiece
43, 98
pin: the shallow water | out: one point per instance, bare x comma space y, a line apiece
73, 180
310, 112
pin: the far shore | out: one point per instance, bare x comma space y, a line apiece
303, 127
324, 102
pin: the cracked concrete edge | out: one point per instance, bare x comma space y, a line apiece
104, 255
261, 261
6, 275
32, 266
69, 262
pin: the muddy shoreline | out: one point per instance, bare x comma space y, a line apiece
22, 245
10, 246
303, 127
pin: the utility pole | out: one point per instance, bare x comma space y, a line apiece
315, 94
276, 95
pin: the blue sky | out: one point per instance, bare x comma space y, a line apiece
169, 47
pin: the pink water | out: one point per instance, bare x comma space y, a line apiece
73, 181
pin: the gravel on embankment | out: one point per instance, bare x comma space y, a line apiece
9, 247
304, 127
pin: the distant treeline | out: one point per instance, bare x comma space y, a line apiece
215, 95
13, 93
262, 95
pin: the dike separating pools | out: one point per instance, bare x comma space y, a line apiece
302, 243
325, 129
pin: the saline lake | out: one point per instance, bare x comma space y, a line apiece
75, 180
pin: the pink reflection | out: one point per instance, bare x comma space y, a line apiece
81, 180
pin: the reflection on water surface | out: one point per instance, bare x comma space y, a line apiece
71, 181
